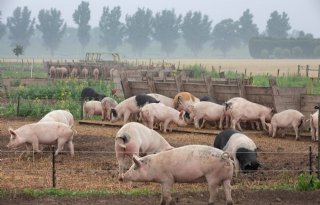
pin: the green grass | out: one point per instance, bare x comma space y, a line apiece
63, 192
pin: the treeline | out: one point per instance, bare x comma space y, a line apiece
284, 48
143, 27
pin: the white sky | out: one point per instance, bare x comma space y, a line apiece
303, 14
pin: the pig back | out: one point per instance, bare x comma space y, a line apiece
62, 116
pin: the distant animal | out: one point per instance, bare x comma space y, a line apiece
208, 99
84, 72
90, 94
95, 73
53, 72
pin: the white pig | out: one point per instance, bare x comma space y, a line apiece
107, 104
47, 133
163, 99
187, 164
91, 108
284, 119
135, 138
314, 125
63, 116
207, 111
158, 112
242, 109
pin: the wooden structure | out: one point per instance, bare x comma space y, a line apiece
222, 90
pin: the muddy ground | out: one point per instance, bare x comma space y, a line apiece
94, 167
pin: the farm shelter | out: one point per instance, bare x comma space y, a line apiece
94, 168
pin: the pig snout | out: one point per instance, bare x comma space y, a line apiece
121, 177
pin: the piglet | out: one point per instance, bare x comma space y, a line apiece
314, 125
91, 108
187, 164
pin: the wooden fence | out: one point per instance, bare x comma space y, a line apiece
280, 98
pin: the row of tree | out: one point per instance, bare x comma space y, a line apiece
142, 27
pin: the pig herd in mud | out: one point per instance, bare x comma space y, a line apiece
153, 158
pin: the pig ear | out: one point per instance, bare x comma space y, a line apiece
11, 131
181, 115
136, 160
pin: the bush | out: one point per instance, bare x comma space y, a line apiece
297, 52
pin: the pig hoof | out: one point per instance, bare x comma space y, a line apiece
229, 203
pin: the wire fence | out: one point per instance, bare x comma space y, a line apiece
100, 169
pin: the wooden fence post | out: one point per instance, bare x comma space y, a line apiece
318, 72
307, 70
273, 85
151, 85
298, 70
18, 105
125, 85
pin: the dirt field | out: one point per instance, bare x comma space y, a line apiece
94, 168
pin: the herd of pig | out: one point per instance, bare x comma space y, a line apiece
153, 158
63, 72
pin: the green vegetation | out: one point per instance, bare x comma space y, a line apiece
37, 100
22, 69
307, 182
63, 192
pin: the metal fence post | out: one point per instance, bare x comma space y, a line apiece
310, 160
53, 168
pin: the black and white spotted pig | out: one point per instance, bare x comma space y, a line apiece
241, 148
130, 106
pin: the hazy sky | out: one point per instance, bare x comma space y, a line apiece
303, 14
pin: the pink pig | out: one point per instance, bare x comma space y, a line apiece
135, 138
47, 133
158, 112
187, 164
284, 119
241, 109
207, 111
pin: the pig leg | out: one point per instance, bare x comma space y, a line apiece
166, 198
220, 123
71, 148
313, 134
263, 122
213, 188
196, 123
121, 164
296, 131
274, 130
165, 125
61, 143
203, 121
35, 145
227, 191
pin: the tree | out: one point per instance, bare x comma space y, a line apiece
81, 16
112, 30
278, 25
52, 27
18, 50
196, 30
247, 29
2, 27
20, 26
166, 30
225, 35
139, 29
